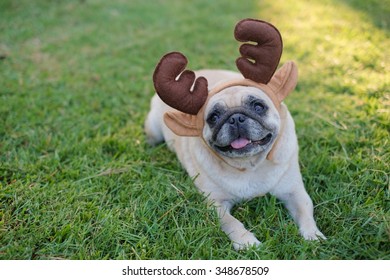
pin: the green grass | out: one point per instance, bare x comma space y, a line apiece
78, 181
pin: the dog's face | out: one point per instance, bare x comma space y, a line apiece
241, 122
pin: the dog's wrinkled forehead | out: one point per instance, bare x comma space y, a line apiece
236, 96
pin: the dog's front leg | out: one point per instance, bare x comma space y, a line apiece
241, 237
300, 206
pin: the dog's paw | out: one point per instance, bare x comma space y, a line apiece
246, 241
313, 234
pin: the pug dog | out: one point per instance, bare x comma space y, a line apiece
232, 132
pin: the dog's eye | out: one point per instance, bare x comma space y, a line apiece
213, 118
258, 107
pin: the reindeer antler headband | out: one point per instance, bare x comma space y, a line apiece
173, 83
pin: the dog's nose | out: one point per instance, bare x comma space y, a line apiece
237, 119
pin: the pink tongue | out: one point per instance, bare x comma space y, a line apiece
239, 143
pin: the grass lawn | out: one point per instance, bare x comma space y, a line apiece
78, 181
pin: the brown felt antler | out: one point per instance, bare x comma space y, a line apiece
266, 53
176, 91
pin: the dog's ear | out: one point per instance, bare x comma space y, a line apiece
182, 124
284, 80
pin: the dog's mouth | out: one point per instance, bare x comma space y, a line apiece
244, 144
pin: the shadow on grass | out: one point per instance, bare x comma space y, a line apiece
378, 10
